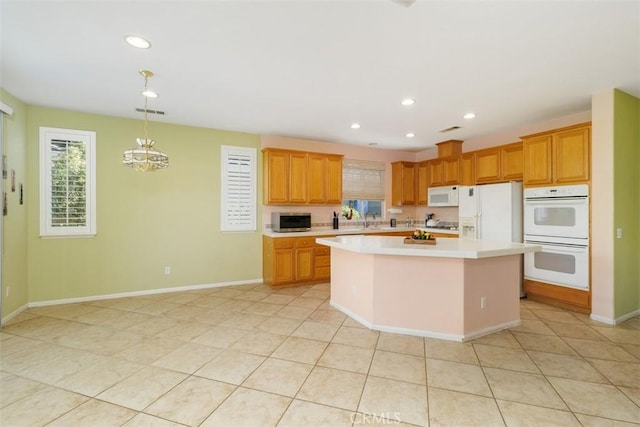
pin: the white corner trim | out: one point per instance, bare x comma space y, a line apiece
617, 320
491, 330
14, 314
139, 293
6, 109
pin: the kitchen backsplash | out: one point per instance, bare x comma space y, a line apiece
321, 216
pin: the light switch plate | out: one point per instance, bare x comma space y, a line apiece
619, 233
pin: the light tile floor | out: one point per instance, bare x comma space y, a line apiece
251, 356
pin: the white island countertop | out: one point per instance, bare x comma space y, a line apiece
444, 248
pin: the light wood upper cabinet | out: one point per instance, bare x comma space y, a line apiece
537, 160
276, 177
422, 183
468, 169
298, 180
488, 166
316, 179
436, 175
572, 155
334, 180
451, 170
561, 156
403, 183
511, 162
298, 177
499, 164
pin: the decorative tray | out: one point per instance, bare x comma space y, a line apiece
410, 241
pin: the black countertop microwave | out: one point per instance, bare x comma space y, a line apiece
286, 222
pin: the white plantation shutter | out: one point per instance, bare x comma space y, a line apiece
238, 189
67, 182
362, 180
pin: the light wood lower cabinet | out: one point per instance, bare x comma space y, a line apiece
295, 261
558, 296
291, 261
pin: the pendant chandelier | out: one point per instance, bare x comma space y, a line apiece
144, 157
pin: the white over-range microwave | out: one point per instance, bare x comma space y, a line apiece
442, 196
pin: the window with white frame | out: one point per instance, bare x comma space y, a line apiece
67, 182
239, 170
363, 188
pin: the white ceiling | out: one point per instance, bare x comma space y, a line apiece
308, 69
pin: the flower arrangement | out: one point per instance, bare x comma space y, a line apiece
350, 213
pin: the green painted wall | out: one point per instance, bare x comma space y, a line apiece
14, 225
145, 221
627, 203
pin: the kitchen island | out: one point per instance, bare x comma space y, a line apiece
457, 289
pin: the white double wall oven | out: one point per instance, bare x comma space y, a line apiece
557, 218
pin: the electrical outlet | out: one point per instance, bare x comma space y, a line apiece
619, 233
483, 303
353, 290
7, 291
167, 270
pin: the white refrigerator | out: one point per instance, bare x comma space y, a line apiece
491, 212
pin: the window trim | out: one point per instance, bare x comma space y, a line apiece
47, 135
226, 152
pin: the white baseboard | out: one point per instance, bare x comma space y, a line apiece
139, 293
617, 320
14, 313
423, 333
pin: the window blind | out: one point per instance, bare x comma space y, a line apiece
67, 182
362, 180
238, 189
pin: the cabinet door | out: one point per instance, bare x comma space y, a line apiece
408, 184
316, 178
571, 155
403, 185
436, 177
423, 183
487, 166
537, 160
299, 167
304, 264
467, 169
334, 180
511, 162
276, 178
451, 170
283, 271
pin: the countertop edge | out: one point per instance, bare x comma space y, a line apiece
456, 251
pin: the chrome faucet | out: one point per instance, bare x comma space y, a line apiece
365, 220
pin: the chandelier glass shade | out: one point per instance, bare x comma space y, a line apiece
145, 157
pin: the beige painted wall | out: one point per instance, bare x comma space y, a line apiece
602, 200
14, 233
615, 203
145, 221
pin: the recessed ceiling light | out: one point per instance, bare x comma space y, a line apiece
355, 125
408, 101
469, 116
149, 94
137, 41
410, 135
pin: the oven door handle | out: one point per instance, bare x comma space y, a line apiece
557, 200
558, 245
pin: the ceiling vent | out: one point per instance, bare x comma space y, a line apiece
158, 112
452, 128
